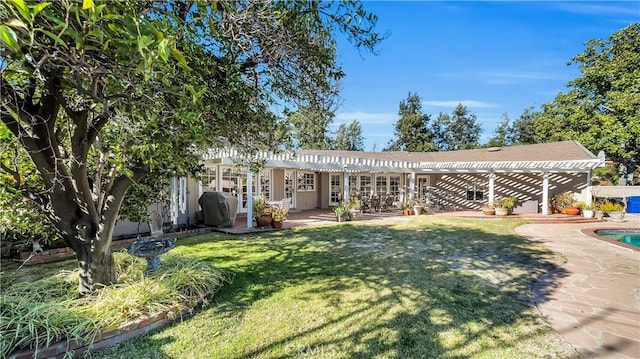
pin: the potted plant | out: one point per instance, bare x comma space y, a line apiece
588, 209
277, 217
564, 203
407, 209
488, 210
354, 207
614, 210
342, 212
504, 206
262, 211
417, 206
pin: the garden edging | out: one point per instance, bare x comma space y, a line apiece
104, 340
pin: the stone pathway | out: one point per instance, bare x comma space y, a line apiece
593, 300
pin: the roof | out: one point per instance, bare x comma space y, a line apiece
564, 156
551, 151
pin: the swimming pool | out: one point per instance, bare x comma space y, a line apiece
627, 236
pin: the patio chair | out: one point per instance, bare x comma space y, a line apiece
285, 204
388, 203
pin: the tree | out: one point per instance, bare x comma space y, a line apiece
459, 131
101, 94
412, 129
501, 137
310, 128
601, 107
349, 138
522, 130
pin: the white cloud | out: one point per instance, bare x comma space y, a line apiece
366, 118
514, 76
454, 103
631, 8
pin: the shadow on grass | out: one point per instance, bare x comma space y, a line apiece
420, 290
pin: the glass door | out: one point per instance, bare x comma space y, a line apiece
335, 190
290, 187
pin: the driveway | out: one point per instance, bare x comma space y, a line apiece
593, 300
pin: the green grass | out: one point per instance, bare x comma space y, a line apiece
36, 313
412, 287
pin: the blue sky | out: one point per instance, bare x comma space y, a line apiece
493, 57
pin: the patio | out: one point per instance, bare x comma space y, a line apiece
325, 216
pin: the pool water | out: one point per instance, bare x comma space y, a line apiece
628, 236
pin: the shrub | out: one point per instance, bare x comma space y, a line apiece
609, 206
40, 313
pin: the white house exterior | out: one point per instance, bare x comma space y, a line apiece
453, 180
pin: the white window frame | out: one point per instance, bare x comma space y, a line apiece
306, 181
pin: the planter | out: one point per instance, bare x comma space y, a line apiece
489, 211
571, 211
501, 211
417, 210
277, 223
342, 217
352, 214
588, 213
616, 216
407, 211
264, 220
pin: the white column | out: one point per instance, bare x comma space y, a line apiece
218, 178
589, 190
249, 198
412, 185
345, 186
545, 194
492, 178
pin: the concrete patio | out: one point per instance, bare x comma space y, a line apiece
593, 300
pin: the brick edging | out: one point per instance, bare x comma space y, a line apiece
59, 254
106, 339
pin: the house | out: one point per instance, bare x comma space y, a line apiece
453, 180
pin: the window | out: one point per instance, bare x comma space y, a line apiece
394, 186
353, 185
474, 191
365, 185
306, 181
265, 184
208, 180
381, 186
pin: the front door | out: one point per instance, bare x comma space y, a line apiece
290, 187
335, 189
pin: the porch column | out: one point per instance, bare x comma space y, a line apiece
545, 194
492, 177
412, 185
249, 198
589, 190
345, 186
218, 178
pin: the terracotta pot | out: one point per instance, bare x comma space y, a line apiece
572, 211
489, 211
276, 223
264, 220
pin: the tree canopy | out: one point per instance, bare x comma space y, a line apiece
96, 95
412, 130
349, 138
601, 107
460, 131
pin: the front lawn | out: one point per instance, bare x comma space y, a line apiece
408, 287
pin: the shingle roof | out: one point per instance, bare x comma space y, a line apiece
552, 151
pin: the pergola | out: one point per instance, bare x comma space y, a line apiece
347, 162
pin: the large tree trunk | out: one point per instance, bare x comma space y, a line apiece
96, 269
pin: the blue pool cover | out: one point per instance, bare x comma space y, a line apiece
633, 204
